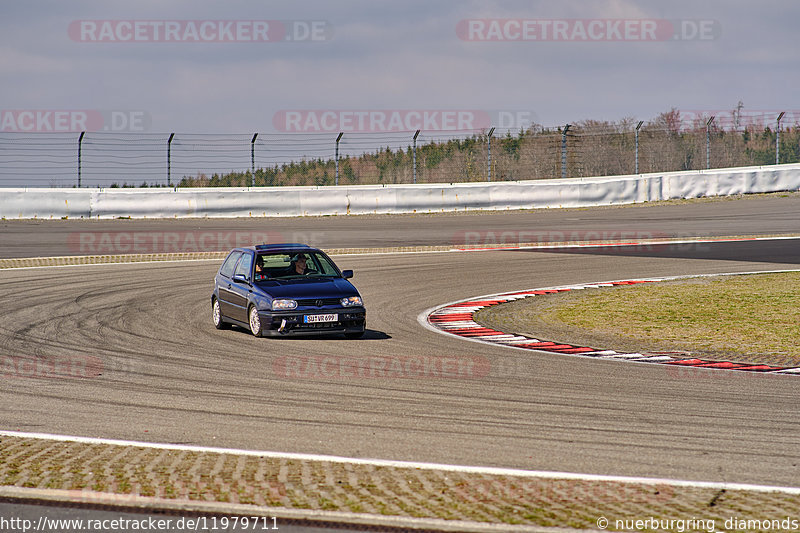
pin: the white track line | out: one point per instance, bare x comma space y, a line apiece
408, 464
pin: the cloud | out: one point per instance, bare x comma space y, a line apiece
397, 55
14, 62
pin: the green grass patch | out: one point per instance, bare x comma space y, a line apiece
753, 318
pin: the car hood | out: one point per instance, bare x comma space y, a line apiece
308, 288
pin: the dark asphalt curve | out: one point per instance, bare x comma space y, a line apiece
155, 369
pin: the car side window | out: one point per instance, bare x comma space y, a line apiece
229, 264
325, 266
244, 266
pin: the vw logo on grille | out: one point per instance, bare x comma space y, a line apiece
319, 303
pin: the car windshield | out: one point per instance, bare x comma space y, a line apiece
290, 265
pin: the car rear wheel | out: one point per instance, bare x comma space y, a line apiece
216, 315
255, 321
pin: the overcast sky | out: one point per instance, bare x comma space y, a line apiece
375, 55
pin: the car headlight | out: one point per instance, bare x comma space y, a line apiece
278, 305
351, 301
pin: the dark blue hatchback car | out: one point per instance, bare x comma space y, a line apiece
286, 289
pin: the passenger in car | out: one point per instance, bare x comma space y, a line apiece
259, 274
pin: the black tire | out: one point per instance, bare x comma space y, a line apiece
255, 321
216, 315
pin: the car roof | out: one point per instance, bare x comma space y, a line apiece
281, 247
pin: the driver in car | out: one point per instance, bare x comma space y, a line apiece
298, 266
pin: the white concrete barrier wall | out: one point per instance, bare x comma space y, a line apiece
45, 203
372, 199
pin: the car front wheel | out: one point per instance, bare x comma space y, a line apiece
216, 315
255, 321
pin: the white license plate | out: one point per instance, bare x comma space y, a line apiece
310, 319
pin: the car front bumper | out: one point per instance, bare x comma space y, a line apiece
285, 323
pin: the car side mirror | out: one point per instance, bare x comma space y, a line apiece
347, 274
240, 278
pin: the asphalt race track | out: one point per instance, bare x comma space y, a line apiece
160, 372
770, 214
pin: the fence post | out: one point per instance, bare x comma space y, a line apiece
337, 157
253, 160
414, 156
80, 141
489, 154
708, 142
169, 159
778, 139
564, 151
639, 125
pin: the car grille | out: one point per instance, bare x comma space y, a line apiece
315, 302
319, 325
